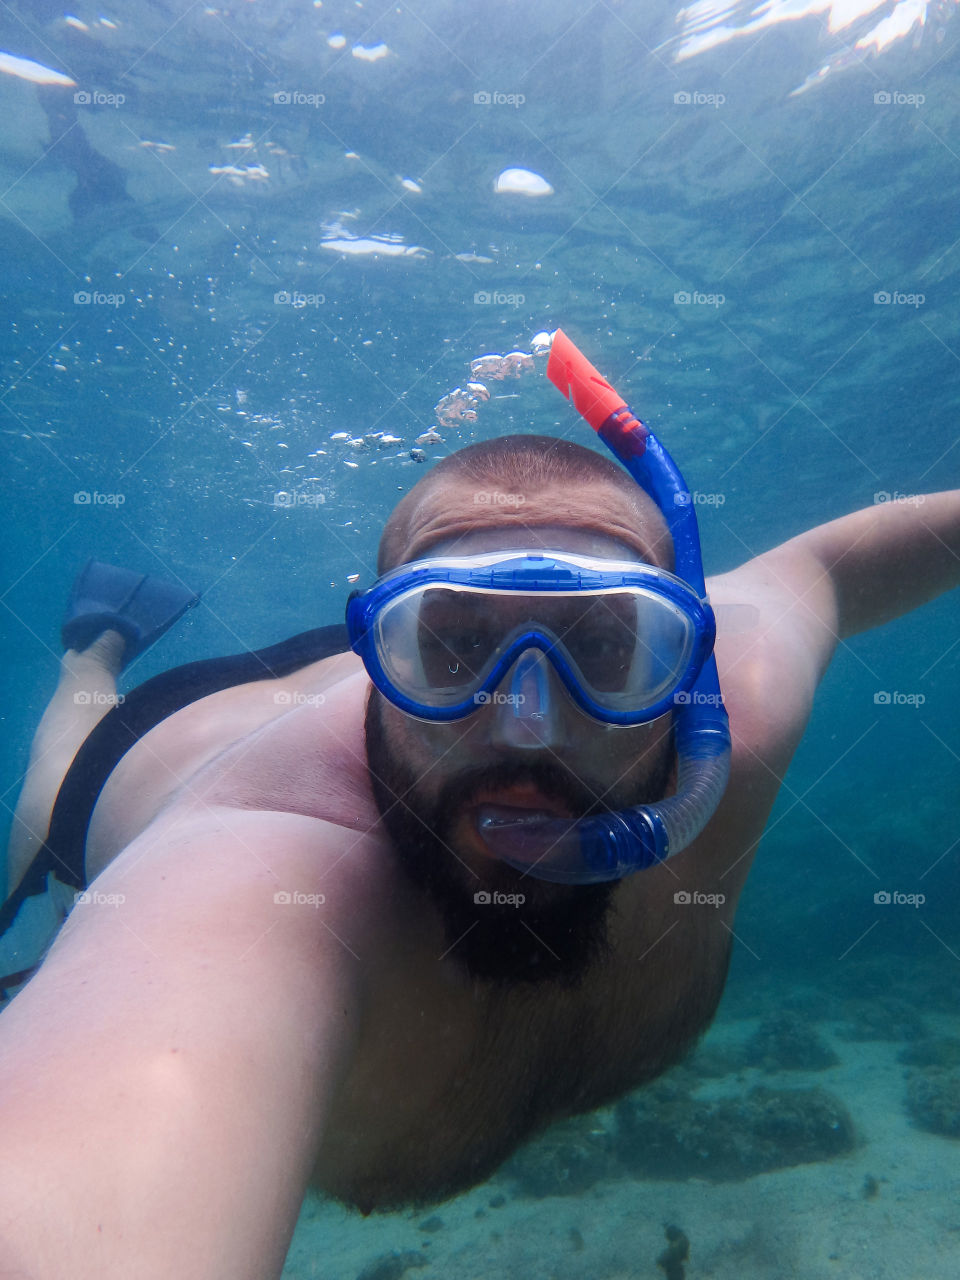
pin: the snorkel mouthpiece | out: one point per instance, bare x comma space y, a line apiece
605, 847
610, 845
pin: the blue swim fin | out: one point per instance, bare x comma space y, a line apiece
140, 607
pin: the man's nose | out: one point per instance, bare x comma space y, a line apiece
527, 707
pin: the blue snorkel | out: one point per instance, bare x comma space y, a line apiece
608, 846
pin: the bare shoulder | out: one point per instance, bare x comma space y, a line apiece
318, 714
776, 634
310, 761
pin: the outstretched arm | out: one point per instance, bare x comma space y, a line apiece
887, 559
166, 1077
809, 594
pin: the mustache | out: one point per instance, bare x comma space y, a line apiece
571, 793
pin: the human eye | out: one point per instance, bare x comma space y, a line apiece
602, 642
454, 645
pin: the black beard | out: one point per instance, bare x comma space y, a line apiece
558, 932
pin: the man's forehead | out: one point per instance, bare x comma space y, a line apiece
593, 519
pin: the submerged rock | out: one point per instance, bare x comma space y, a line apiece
933, 1101
785, 1042
566, 1161
391, 1266
667, 1133
890, 1018
937, 1051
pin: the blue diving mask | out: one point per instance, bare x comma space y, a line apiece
439, 637
629, 642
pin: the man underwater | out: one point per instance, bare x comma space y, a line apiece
369, 920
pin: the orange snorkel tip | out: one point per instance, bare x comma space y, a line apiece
594, 399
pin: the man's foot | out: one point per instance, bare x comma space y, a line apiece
135, 606
106, 653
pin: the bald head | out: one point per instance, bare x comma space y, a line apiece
528, 486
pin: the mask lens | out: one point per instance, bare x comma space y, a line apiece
626, 648
629, 648
600, 637
457, 637
436, 644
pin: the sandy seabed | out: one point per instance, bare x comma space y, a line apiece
888, 1210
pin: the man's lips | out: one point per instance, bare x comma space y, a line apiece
521, 802
523, 808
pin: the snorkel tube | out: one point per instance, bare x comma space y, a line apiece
608, 846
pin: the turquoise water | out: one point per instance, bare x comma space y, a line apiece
200, 177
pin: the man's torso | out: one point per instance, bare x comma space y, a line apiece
449, 1075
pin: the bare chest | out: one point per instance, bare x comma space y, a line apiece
457, 1079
